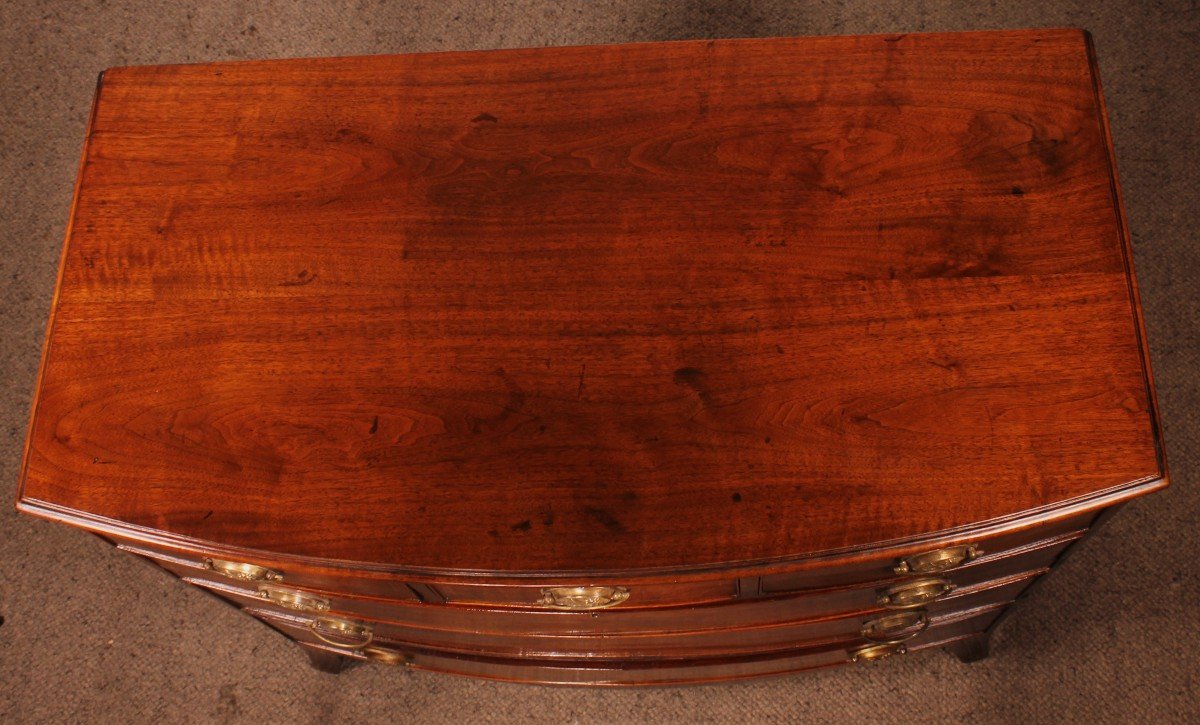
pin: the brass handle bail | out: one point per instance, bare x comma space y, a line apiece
876, 652
895, 628
388, 656
360, 634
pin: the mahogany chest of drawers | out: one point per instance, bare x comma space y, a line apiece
630, 364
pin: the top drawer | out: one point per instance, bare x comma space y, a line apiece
917, 561
584, 593
563, 595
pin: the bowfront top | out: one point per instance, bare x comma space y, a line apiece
598, 308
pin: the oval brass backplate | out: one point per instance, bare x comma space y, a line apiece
582, 598
293, 598
895, 628
875, 652
388, 656
932, 562
913, 593
242, 571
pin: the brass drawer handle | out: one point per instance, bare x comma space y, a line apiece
935, 561
876, 652
360, 635
913, 593
388, 656
582, 598
242, 572
293, 599
895, 628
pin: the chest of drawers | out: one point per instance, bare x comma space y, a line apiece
634, 364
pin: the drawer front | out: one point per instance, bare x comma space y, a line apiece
985, 553
434, 617
266, 572
755, 612
876, 568
785, 607
899, 590
554, 595
641, 672
603, 594
880, 626
568, 596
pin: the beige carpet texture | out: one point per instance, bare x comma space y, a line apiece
90, 634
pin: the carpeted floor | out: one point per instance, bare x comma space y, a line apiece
90, 634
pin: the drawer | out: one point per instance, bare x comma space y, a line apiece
827, 575
986, 550
902, 591
619, 593
242, 572
553, 595
783, 606
875, 567
723, 641
607, 622
643, 672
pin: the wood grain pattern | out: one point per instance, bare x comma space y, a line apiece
618, 308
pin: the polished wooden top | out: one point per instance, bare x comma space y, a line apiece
596, 308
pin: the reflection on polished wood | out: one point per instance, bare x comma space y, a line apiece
631, 329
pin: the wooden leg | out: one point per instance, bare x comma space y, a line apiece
971, 649
325, 661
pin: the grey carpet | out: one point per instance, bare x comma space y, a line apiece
90, 634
